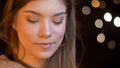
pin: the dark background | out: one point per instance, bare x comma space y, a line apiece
96, 55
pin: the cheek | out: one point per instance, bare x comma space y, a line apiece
26, 32
60, 30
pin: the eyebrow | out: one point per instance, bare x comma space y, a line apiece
36, 13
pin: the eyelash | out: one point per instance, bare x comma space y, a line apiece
58, 22
32, 21
36, 20
61, 20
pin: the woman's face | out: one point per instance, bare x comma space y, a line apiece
41, 26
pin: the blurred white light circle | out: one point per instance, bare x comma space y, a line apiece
101, 38
108, 17
117, 21
86, 10
99, 23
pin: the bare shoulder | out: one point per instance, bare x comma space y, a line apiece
6, 63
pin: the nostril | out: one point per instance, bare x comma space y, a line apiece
45, 35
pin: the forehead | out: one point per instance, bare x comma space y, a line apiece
45, 6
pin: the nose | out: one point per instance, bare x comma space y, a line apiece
45, 29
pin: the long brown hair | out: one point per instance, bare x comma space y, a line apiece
64, 57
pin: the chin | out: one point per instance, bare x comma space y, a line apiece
44, 56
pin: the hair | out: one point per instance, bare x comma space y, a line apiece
64, 57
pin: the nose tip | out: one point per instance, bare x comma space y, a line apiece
45, 34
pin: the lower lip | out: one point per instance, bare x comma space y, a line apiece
44, 45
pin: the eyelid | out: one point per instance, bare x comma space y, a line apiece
32, 18
58, 19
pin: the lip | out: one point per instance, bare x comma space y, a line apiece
45, 45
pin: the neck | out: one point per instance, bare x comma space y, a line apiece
32, 62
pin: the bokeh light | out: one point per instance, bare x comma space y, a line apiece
86, 10
101, 38
108, 17
99, 23
112, 44
95, 3
117, 21
103, 4
116, 1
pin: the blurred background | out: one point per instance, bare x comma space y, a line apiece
99, 24
98, 29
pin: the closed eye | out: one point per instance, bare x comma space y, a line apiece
32, 19
58, 19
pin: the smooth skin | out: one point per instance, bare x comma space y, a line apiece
40, 26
